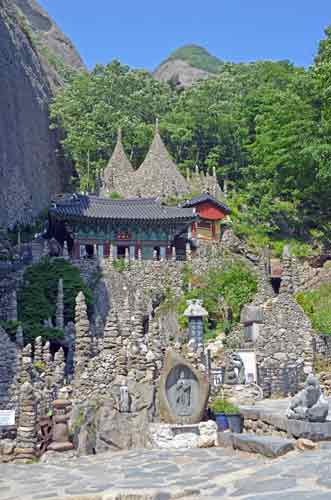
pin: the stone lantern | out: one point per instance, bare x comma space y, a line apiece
195, 312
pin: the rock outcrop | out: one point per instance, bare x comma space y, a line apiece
187, 65
33, 55
180, 73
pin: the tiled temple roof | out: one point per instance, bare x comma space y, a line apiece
203, 198
138, 209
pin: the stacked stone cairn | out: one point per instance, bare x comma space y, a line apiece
38, 350
59, 369
83, 338
26, 441
112, 344
60, 306
287, 276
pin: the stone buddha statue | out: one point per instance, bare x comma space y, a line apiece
310, 403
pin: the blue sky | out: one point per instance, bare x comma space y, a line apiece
141, 33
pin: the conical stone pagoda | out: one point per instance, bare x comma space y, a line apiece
158, 175
119, 173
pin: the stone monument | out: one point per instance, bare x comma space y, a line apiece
183, 393
309, 404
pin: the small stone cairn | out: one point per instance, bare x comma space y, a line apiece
83, 338
26, 442
60, 306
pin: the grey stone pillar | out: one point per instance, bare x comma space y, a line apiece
195, 313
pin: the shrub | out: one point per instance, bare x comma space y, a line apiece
37, 297
234, 285
119, 265
317, 306
10, 327
224, 406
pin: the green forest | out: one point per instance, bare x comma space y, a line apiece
265, 126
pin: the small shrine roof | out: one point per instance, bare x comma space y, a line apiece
94, 207
203, 198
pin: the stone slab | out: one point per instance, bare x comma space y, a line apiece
270, 447
315, 431
224, 439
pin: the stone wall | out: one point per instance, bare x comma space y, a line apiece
322, 347
8, 370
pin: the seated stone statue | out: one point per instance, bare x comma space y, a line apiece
310, 403
234, 370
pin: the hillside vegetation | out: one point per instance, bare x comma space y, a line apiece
265, 127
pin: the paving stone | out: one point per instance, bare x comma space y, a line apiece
293, 495
247, 487
220, 492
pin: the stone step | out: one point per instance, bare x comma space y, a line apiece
268, 446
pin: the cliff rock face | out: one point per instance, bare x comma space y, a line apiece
31, 166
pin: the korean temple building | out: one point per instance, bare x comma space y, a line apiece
210, 213
140, 225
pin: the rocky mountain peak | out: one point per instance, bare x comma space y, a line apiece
187, 65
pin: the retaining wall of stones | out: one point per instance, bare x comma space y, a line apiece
322, 347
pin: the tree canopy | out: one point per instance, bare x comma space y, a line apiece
265, 126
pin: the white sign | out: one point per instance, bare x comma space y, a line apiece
249, 360
217, 376
7, 418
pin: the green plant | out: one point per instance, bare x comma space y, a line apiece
120, 265
322, 364
229, 288
39, 366
317, 306
115, 196
220, 405
38, 294
10, 327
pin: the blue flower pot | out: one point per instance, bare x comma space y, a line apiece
222, 422
236, 423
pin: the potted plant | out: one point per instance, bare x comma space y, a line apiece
227, 415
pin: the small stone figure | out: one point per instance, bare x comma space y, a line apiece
183, 389
310, 403
235, 370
